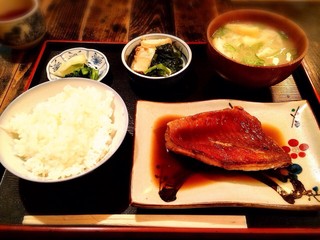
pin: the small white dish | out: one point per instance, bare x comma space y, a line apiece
96, 59
40, 93
156, 82
299, 133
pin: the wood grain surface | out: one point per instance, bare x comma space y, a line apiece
122, 20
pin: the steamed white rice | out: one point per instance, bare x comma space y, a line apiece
66, 134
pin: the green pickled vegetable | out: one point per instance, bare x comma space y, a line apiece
94, 74
158, 70
84, 71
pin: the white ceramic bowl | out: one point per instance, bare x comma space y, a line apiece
96, 59
40, 93
155, 82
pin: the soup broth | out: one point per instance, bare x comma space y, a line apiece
254, 44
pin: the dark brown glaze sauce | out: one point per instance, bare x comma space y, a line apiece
171, 171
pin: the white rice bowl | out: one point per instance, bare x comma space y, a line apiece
60, 130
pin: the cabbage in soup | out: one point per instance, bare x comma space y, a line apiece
254, 44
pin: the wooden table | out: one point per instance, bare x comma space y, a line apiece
119, 21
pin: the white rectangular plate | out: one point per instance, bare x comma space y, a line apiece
295, 122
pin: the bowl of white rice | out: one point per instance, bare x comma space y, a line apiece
60, 130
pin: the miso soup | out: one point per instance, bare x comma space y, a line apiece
254, 44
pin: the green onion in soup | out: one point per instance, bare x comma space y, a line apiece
254, 44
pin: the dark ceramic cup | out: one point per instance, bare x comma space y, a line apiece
22, 24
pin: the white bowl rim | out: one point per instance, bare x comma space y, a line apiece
123, 58
74, 49
73, 82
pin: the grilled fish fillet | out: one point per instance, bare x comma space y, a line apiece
230, 138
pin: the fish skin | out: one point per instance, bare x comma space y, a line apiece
230, 138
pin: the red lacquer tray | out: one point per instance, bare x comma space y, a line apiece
107, 189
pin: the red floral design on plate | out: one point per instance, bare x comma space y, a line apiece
296, 149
